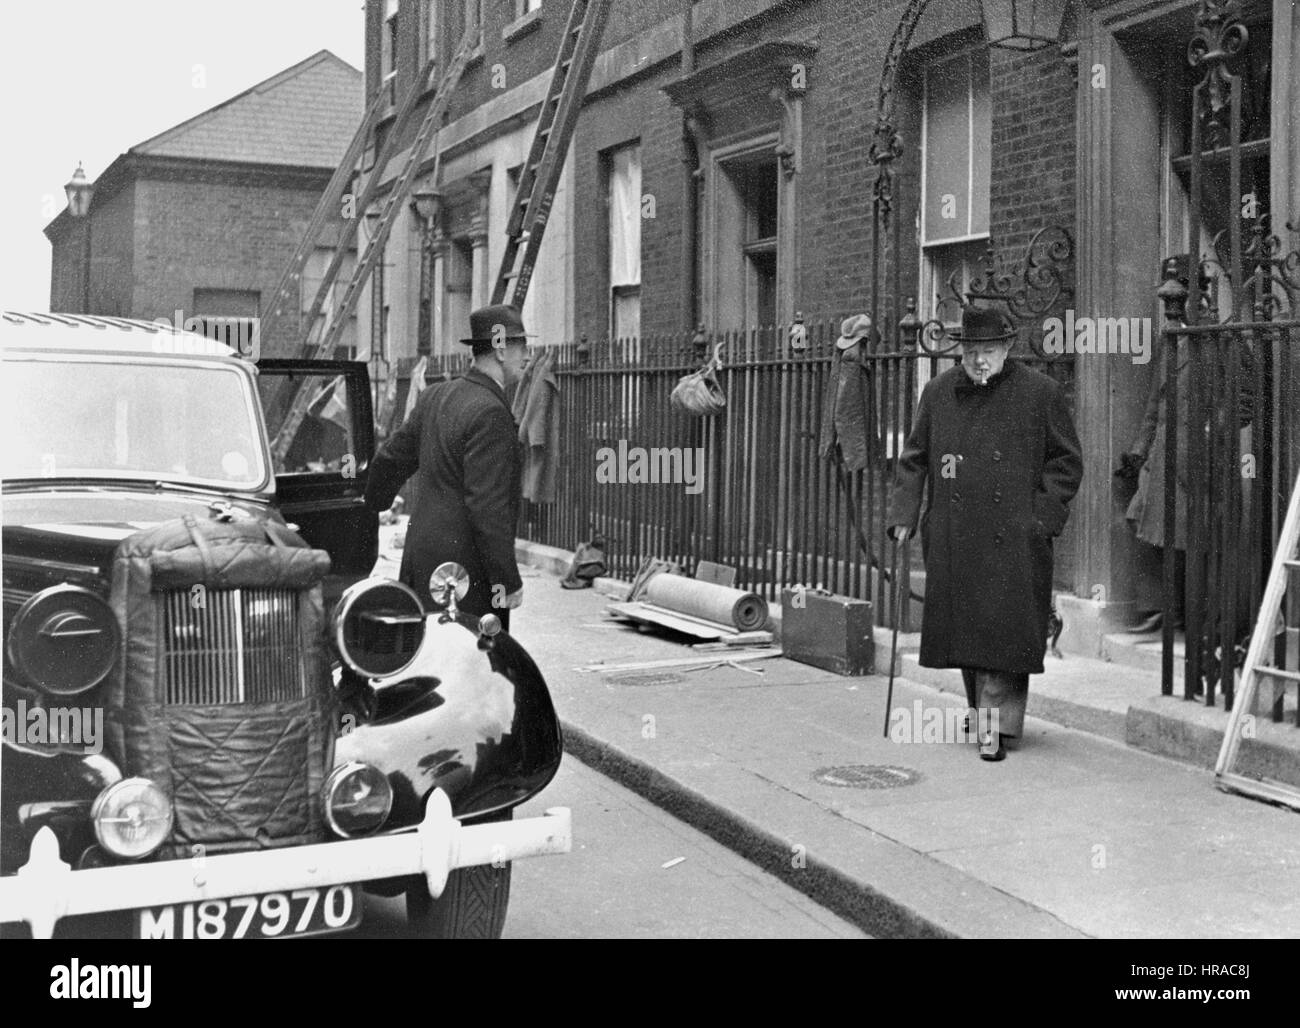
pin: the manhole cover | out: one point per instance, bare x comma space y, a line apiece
867, 776
648, 678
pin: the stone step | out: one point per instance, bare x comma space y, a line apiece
1141, 651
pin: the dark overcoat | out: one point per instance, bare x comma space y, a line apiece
998, 465
462, 444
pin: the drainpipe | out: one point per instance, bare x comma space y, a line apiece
690, 182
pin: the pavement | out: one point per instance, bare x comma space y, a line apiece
1080, 832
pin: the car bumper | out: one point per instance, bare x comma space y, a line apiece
46, 889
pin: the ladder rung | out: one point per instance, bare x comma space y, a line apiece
1291, 676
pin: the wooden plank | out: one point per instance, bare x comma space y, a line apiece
650, 614
646, 665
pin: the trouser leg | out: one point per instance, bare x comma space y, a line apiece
968, 679
1007, 693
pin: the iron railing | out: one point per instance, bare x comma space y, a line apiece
763, 499
1230, 370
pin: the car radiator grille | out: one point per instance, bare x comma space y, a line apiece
229, 646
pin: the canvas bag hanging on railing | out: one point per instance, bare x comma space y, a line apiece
700, 393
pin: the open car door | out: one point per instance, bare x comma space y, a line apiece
322, 432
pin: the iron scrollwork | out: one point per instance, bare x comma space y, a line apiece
886, 143
1217, 46
1269, 276
1037, 283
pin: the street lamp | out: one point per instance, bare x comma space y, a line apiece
426, 205
80, 191
1023, 24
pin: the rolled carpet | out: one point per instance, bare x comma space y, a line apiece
746, 611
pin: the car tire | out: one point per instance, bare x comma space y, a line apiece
472, 906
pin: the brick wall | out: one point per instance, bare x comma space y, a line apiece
1032, 154
191, 234
110, 259
1033, 177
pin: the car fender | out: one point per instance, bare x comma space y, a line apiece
470, 715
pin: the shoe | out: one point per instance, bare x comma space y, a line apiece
991, 747
1151, 623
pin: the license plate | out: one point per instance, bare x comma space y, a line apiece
272, 915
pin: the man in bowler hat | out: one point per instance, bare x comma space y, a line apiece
463, 444
994, 450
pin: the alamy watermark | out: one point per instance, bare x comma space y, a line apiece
637, 465
1131, 336
46, 726
934, 725
243, 335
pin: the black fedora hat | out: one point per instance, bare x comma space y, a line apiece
983, 325
496, 321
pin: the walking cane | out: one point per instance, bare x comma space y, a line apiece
900, 595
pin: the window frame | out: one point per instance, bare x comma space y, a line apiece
615, 291
969, 54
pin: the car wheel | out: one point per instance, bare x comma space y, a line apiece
472, 906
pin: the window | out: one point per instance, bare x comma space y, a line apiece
460, 291
956, 138
323, 440
227, 303
748, 211
957, 130
623, 201
388, 51
230, 316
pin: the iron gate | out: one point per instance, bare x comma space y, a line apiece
1229, 366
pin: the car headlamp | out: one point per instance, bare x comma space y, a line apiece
63, 641
357, 799
378, 627
132, 818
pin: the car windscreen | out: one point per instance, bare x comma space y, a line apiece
72, 418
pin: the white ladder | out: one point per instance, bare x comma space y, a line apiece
1241, 720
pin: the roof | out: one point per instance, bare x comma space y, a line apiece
304, 116
21, 331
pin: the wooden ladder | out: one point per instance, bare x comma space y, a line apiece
288, 290
322, 335
541, 171
1284, 576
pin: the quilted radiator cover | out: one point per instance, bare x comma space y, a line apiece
242, 775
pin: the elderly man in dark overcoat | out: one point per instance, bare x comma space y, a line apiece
994, 452
462, 443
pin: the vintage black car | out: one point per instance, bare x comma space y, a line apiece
216, 724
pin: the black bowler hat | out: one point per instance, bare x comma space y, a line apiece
487, 325
983, 325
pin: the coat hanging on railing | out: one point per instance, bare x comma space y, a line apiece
536, 408
849, 403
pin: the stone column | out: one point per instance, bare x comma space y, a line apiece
438, 278
478, 236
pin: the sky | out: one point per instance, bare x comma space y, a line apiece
85, 80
